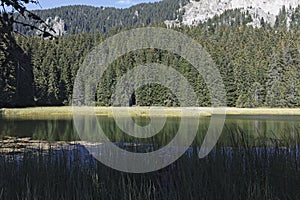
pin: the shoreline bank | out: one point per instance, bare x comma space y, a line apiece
67, 111
15, 145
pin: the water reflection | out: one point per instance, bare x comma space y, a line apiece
53, 129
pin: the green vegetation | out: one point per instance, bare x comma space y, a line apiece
59, 126
259, 68
67, 112
88, 19
16, 75
240, 171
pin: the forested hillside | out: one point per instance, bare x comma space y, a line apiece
88, 19
259, 66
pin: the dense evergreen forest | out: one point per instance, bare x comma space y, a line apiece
259, 66
88, 19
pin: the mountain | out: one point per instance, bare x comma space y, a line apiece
199, 11
79, 19
259, 66
88, 19
58, 26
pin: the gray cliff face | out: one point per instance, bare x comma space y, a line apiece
57, 24
197, 11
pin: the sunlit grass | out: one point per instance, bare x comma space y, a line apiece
67, 112
46, 112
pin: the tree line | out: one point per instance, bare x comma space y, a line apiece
89, 19
259, 67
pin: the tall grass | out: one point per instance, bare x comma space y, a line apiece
237, 171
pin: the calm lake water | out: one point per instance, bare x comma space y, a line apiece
267, 170
272, 127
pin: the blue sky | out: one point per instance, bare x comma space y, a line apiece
111, 3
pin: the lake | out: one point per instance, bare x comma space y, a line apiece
62, 128
257, 157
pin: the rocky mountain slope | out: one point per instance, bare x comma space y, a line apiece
79, 19
58, 25
202, 10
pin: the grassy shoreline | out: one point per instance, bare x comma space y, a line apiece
67, 111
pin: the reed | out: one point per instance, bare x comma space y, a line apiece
268, 170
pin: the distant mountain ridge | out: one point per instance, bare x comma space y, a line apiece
197, 11
88, 19
91, 19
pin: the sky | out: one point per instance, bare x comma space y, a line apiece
45, 4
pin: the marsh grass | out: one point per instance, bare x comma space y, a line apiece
138, 111
238, 171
